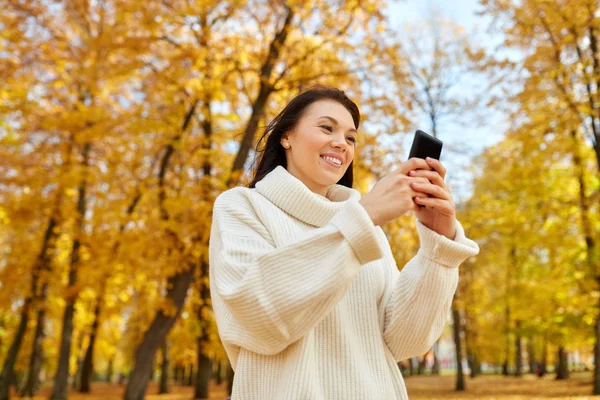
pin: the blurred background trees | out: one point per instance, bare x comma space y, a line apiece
121, 122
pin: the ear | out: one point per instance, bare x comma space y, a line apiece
285, 141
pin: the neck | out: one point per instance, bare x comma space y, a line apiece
310, 184
293, 196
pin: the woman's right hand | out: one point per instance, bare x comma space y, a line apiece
392, 196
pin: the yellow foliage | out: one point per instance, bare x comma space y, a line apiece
127, 88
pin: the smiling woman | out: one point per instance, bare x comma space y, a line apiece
321, 122
308, 299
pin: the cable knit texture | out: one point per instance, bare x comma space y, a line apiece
308, 299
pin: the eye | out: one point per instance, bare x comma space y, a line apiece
327, 127
352, 139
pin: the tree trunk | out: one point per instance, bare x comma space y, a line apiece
175, 373
61, 378
435, 368
219, 377
592, 251
562, 370
182, 375
190, 377
204, 363
413, 366
469, 349
422, 362
152, 371
518, 356
177, 285
460, 376
505, 367
76, 384
544, 366
35, 361
43, 263
109, 370
264, 91
518, 350
474, 365
11, 358
471, 363
164, 369
230, 378
18, 380
531, 355
87, 369
507, 349
62, 375
203, 374
156, 333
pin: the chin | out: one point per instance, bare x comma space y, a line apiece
329, 178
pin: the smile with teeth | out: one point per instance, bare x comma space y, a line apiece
332, 160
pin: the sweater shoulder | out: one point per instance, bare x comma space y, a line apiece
236, 211
238, 200
237, 196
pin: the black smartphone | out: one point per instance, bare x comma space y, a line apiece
425, 145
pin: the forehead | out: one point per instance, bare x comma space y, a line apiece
330, 108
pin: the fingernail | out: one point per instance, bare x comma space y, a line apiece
429, 159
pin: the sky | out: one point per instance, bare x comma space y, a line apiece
462, 11
471, 139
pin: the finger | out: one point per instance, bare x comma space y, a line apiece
416, 193
443, 206
419, 180
415, 205
414, 163
430, 188
433, 176
437, 165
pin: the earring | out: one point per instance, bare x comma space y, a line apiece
287, 145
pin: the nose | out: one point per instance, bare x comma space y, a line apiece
339, 144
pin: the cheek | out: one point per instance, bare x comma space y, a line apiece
309, 149
351, 152
316, 143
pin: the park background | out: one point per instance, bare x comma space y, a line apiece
121, 121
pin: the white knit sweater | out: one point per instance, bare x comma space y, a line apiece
308, 299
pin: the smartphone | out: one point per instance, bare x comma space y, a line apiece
425, 145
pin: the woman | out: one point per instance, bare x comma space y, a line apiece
308, 299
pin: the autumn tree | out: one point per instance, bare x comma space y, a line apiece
441, 63
136, 118
563, 63
295, 38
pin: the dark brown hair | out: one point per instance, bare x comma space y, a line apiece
269, 149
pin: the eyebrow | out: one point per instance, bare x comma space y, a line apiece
337, 123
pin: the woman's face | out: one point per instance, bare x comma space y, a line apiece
321, 146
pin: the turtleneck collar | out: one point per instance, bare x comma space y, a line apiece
294, 197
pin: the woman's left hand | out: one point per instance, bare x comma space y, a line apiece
439, 213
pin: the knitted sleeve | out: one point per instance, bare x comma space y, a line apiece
418, 298
266, 298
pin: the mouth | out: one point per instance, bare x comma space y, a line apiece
334, 161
